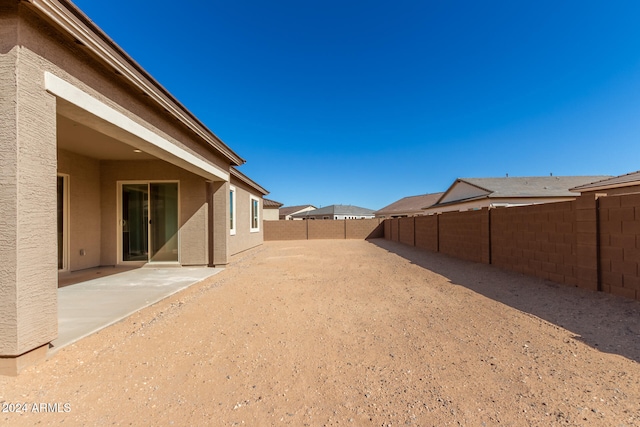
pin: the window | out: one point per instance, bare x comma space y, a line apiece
255, 213
232, 210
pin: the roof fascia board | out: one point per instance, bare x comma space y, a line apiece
245, 179
164, 149
446, 192
604, 187
457, 202
75, 23
456, 182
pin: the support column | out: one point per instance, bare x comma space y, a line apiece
28, 221
219, 223
587, 241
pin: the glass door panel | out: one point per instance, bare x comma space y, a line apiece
164, 221
135, 217
61, 240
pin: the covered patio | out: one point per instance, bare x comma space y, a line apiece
95, 298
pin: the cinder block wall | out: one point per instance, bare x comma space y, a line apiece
285, 230
619, 228
465, 235
406, 231
363, 229
324, 229
592, 243
387, 228
538, 240
395, 233
426, 228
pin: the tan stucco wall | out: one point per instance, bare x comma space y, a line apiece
218, 196
245, 238
28, 271
84, 208
271, 214
193, 220
8, 184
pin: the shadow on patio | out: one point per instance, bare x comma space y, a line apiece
605, 322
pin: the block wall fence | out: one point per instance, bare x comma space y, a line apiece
591, 243
323, 229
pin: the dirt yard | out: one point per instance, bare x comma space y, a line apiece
313, 333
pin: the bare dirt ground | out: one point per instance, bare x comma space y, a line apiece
312, 333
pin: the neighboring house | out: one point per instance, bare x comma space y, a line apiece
408, 206
136, 178
623, 184
475, 193
288, 211
271, 210
336, 212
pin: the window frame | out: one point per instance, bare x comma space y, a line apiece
254, 215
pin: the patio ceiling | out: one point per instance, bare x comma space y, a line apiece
78, 133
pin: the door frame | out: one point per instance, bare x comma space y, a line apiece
119, 255
65, 221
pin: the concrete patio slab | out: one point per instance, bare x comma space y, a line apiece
87, 307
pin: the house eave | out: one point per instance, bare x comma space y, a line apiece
456, 202
75, 23
248, 181
456, 182
605, 187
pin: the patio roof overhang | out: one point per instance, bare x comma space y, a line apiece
83, 108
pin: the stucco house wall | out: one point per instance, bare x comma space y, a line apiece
28, 271
193, 208
271, 214
56, 67
244, 237
84, 208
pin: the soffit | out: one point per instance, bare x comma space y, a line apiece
85, 140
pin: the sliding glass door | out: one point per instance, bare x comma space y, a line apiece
149, 222
164, 221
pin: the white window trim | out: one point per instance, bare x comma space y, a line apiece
234, 208
251, 199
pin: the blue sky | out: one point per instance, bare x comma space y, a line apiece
366, 102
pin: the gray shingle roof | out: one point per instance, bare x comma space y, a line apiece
337, 210
631, 178
532, 186
410, 204
268, 203
288, 210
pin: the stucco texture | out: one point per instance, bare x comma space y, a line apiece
245, 238
192, 206
28, 158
